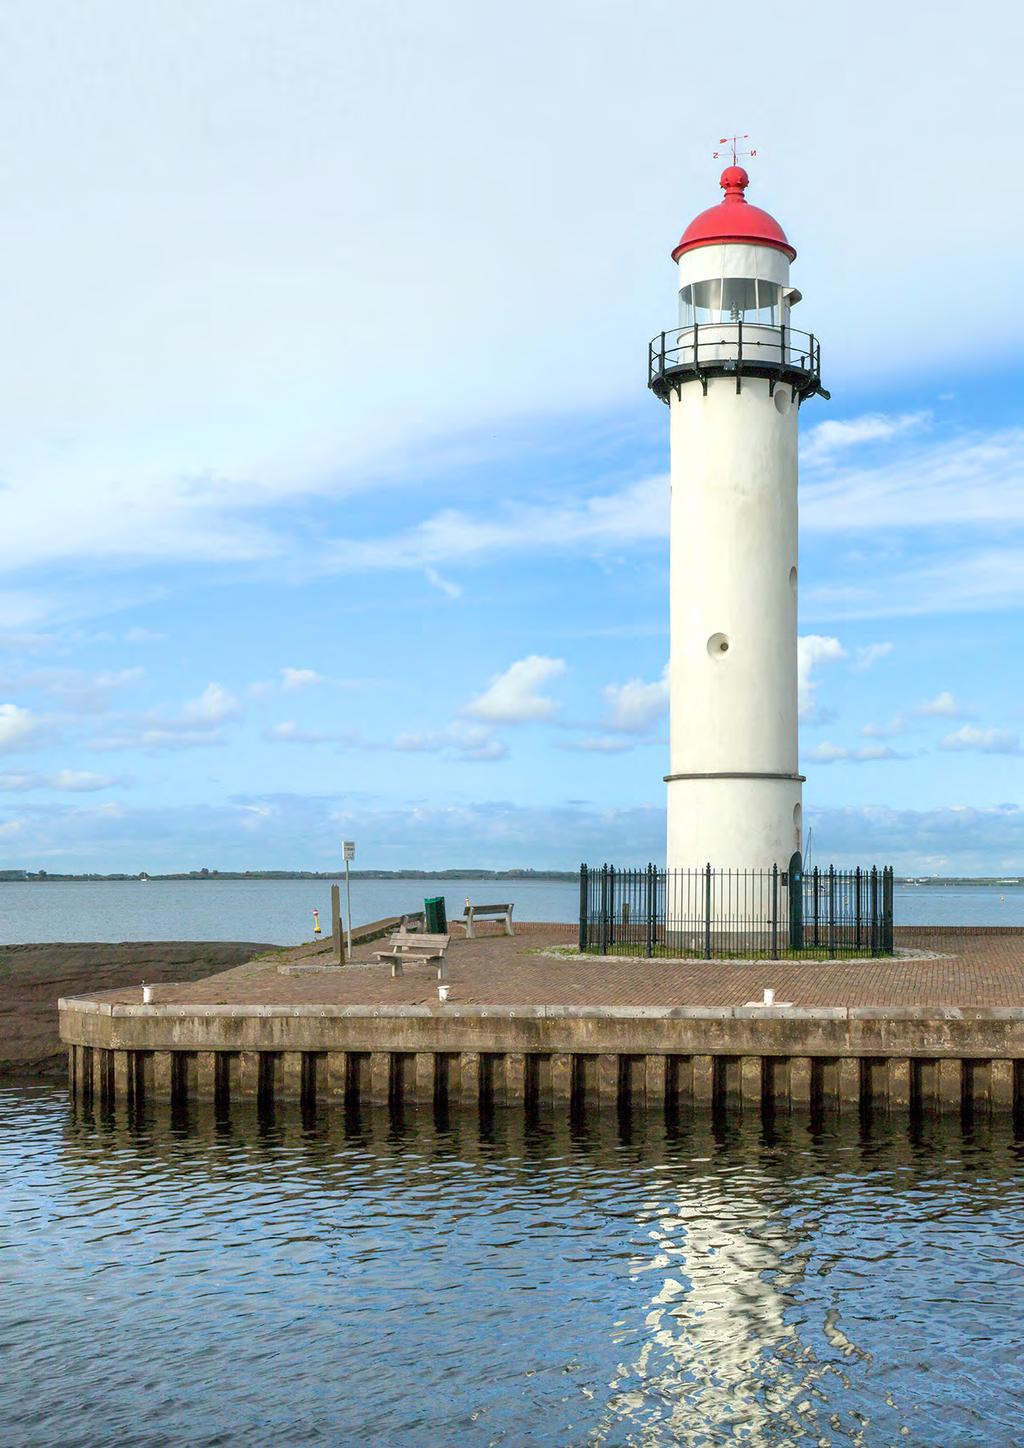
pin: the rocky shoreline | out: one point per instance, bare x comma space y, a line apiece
33, 977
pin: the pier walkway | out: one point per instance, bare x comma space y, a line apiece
941, 1024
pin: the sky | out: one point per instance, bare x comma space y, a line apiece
332, 499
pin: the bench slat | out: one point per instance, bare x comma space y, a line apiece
405, 948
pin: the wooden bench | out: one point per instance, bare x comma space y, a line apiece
412, 946
484, 912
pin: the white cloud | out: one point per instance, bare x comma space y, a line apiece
300, 678
288, 732
155, 739
983, 741
14, 783
470, 742
227, 357
634, 514
634, 706
943, 706
214, 706
829, 438
512, 697
479, 746
871, 752
598, 744
195, 726
813, 650
443, 585
79, 781
971, 478
959, 496
20, 609
79, 690
959, 577
827, 753
255, 815
420, 741
143, 636
9, 828
18, 728
869, 654
951, 839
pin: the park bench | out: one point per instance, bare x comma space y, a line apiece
484, 912
407, 945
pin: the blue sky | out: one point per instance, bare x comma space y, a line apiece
332, 500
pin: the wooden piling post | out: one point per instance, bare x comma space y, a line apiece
337, 934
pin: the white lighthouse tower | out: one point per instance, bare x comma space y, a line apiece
734, 373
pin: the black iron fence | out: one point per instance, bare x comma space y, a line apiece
736, 914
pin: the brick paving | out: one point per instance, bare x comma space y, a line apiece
970, 966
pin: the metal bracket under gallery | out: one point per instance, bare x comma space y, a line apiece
704, 350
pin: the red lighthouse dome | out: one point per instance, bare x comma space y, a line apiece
734, 220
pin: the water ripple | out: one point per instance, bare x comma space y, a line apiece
336, 1280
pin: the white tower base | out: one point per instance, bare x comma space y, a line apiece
708, 816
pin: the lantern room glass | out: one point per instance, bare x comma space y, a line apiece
731, 299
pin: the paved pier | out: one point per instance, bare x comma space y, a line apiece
939, 1027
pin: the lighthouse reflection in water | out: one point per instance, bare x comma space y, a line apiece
423, 1280
723, 1350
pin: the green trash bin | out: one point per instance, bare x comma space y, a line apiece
436, 915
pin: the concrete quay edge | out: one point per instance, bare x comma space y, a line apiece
176, 1031
89, 1005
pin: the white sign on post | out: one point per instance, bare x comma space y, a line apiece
348, 848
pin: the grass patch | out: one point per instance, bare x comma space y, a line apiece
664, 952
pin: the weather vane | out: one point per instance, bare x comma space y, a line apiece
730, 141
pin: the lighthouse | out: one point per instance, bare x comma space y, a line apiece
734, 372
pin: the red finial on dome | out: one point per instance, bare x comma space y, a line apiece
734, 181
734, 220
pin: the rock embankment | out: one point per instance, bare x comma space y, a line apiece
33, 977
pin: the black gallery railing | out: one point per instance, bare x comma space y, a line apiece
754, 349
713, 914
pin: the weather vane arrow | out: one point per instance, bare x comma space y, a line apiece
731, 141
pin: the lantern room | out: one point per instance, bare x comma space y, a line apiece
734, 301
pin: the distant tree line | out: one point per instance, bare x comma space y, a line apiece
28, 876
207, 874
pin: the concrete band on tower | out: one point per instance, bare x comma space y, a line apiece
733, 373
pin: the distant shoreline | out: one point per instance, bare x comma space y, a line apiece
28, 877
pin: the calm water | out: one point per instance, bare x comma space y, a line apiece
343, 1281
281, 911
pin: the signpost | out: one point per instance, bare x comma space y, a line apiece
338, 942
348, 850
